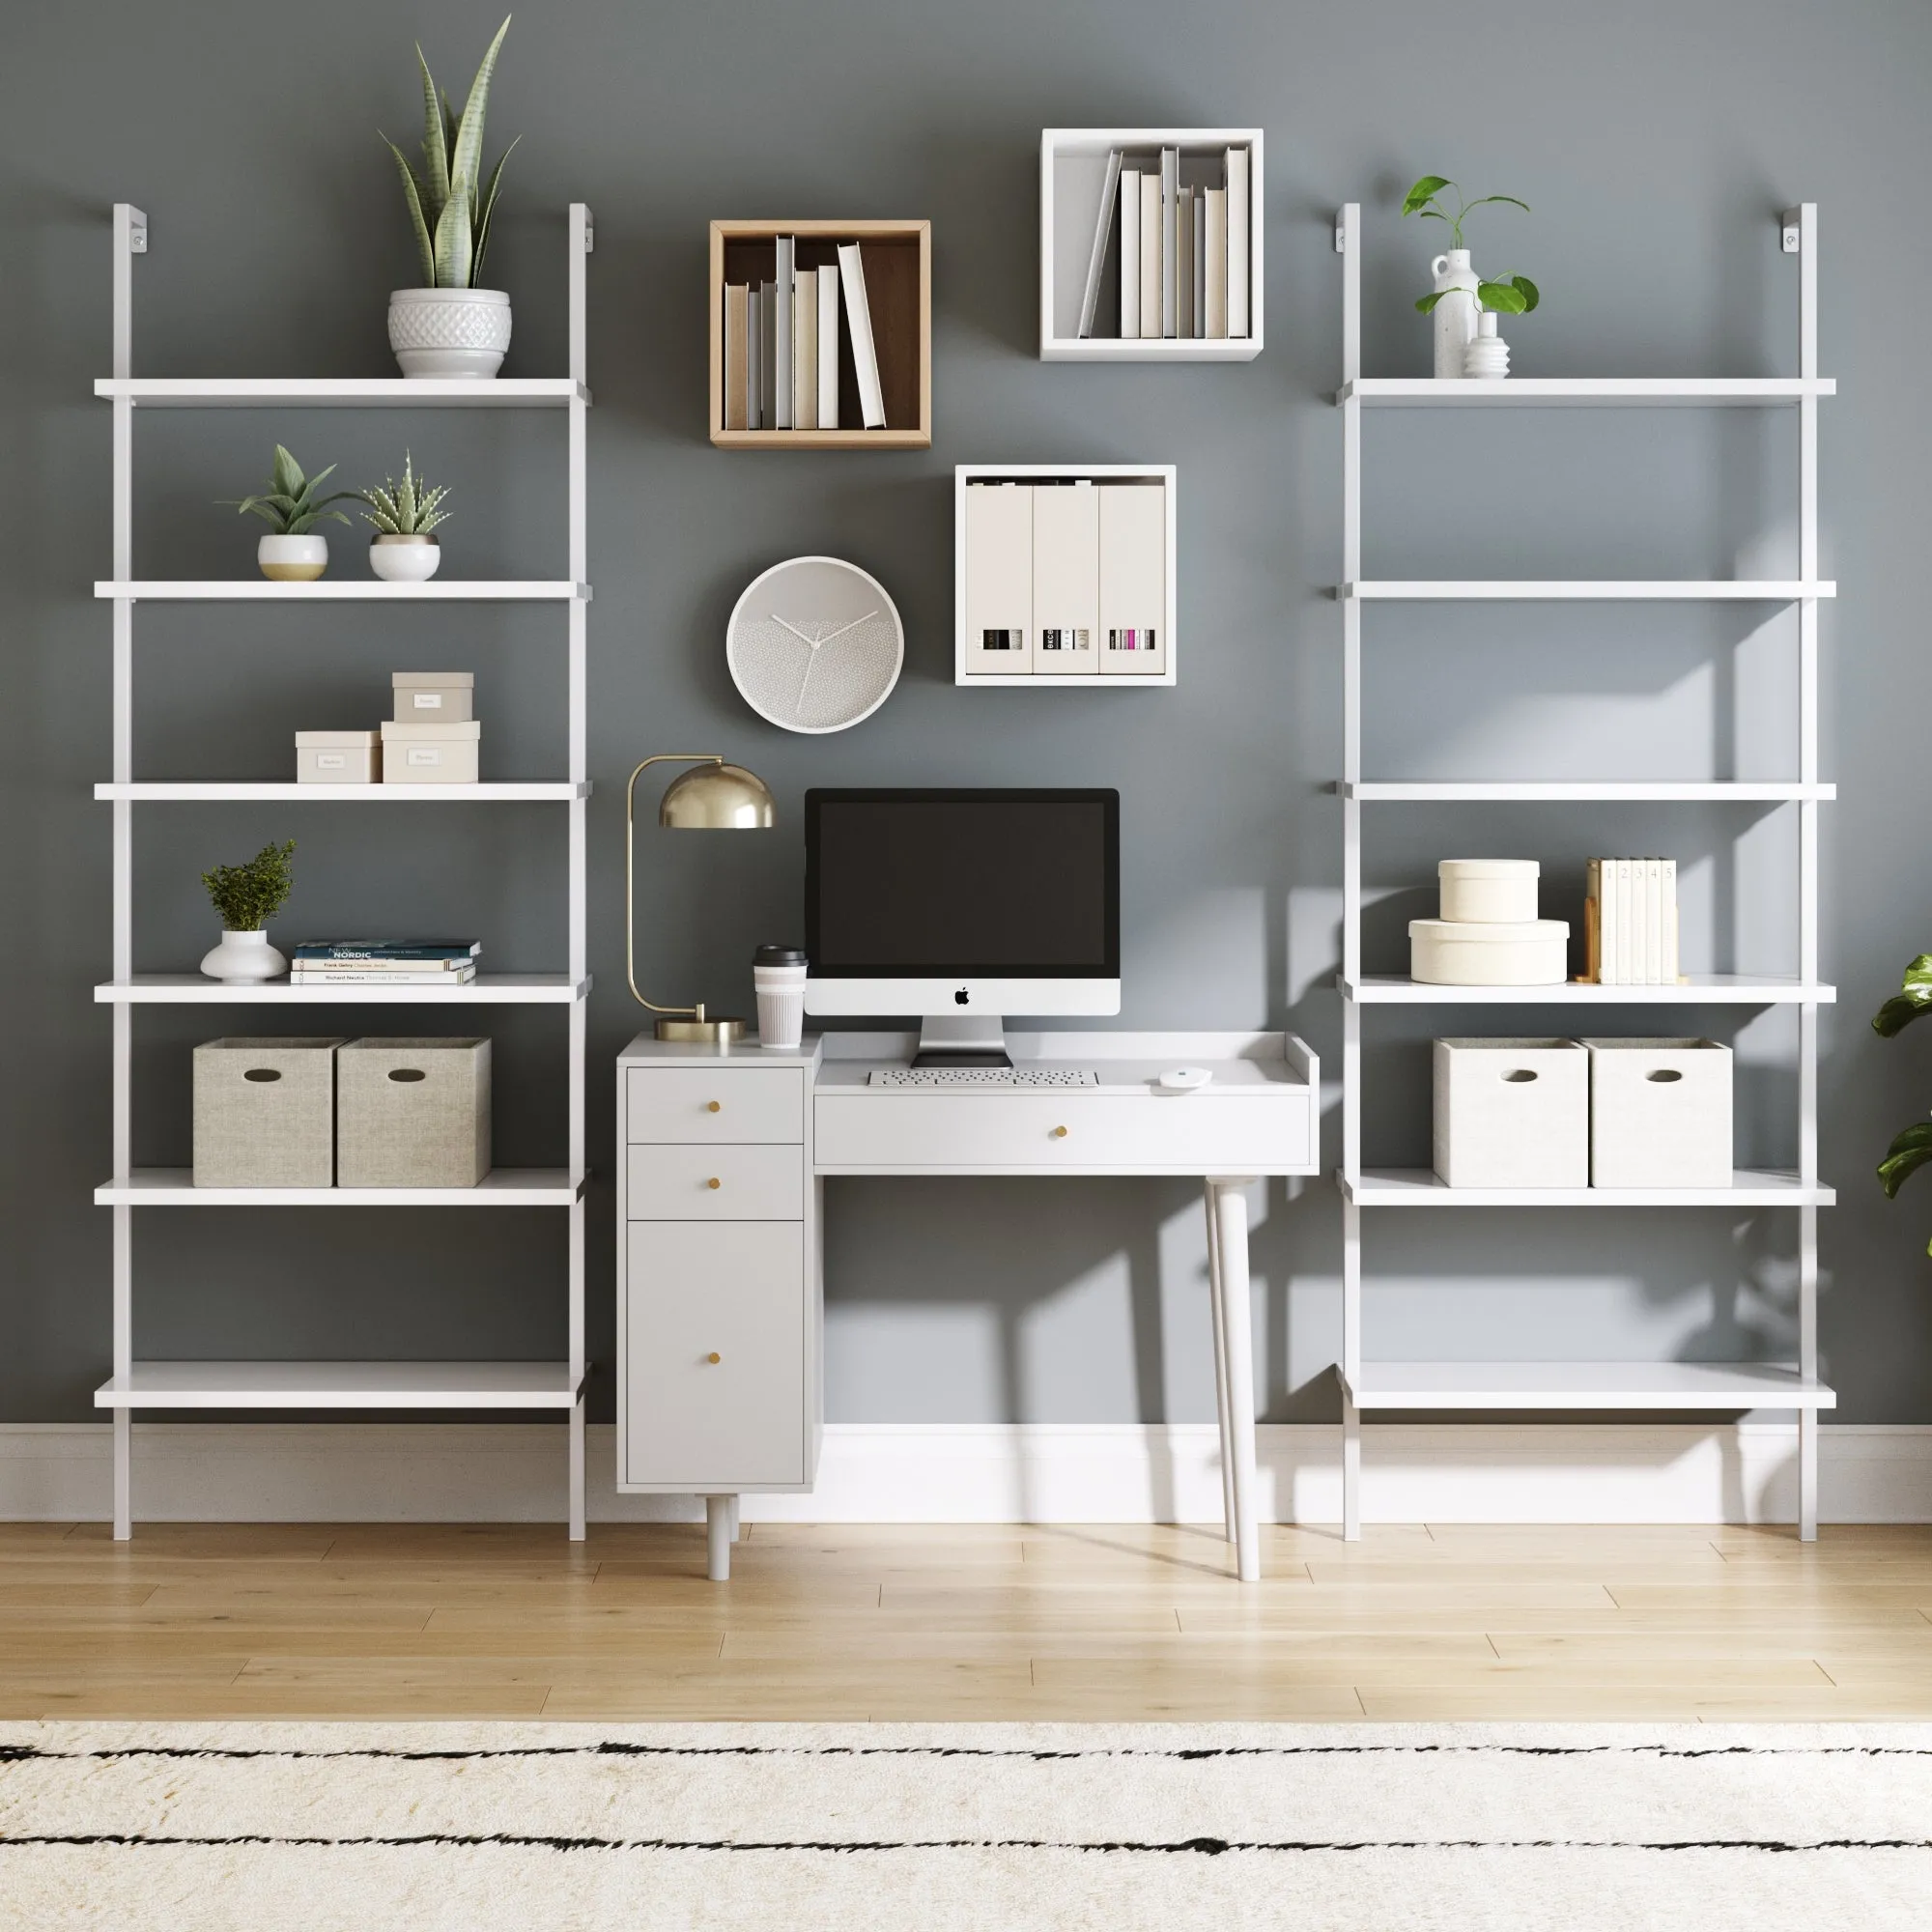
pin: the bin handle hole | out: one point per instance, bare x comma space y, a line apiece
262, 1073
407, 1073
1664, 1074
1517, 1075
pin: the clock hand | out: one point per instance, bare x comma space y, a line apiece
795, 631
841, 631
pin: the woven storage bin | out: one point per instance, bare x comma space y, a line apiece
412, 1113
1660, 1112
1512, 1113
264, 1113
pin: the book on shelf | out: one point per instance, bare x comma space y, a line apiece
827, 348
805, 352
1103, 229
378, 975
1237, 242
781, 413
753, 359
1199, 329
1631, 922
1184, 264
1130, 252
1151, 256
737, 311
360, 952
859, 326
1216, 290
1170, 241
1185, 245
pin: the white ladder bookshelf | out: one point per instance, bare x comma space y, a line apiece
1369, 1385
166, 1385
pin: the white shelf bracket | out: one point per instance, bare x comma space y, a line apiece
1791, 235
137, 231
590, 232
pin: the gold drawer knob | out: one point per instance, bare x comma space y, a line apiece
1060, 1133
714, 1106
714, 1182
714, 1356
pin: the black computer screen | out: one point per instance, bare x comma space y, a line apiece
920, 884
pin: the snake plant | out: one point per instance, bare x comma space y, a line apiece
405, 510
1516, 296
289, 506
1912, 1147
449, 203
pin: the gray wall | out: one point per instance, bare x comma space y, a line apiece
1655, 143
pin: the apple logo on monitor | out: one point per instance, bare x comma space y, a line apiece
962, 998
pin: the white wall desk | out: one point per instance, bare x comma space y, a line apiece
720, 1199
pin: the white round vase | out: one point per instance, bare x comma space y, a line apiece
244, 958
1456, 313
293, 560
439, 333
1488, 356
405, 560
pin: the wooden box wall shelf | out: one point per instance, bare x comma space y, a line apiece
897, 258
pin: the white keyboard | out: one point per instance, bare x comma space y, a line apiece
983, 1077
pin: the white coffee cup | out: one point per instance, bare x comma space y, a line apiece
778, 974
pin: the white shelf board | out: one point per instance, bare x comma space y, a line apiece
500, 1187
164, 791
1098, 681
341, 590
1719, 1386
193, 989
241, 392
1149, 348
1586, 391
1420, 1188
340, 1385
1583, 590
1696, 989
1726, 791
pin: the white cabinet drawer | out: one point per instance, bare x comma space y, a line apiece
1200, 1133
732, 1103
716, 1183
715, 1354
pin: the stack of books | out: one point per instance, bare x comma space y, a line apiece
383, 962
1630, 923
781, 345
1182, 247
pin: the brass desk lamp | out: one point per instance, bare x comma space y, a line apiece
712, 797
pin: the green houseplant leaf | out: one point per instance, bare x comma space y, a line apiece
419, 226
434, 147
250, 894
1914, 998
1425, 190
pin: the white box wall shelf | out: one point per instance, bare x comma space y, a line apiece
557, 1385
1073, 171
1025, 543
1474, 1386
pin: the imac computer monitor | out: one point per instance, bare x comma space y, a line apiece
961, 907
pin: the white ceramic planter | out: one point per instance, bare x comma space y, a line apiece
405, 560
1496, 890
439, 333
1512, 1113
1486, 358
293, 560
1456, 313
1660, 1112
244, 958
1452, 952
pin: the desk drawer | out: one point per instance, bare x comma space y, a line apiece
716, 1183
732, 1103
1199, 1133
735, 1290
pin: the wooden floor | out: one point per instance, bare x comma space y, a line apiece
953, 1623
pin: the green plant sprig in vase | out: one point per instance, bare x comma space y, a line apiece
405, 515
248, 896
295, 551
1513, 295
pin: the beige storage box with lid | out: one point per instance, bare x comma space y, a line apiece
420, 753
265, 1112
339, 758
435, 696
1472, 952
1512, 1113
1489, 891
412, 1113
1660, 1112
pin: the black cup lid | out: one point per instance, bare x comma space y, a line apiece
779, 955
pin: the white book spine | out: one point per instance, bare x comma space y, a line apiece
1103, 229
805, 353
827, 348
1170, 241
1217, 262
1624, 912
1238, 241
859, 325
782, 417
1130, 252
1607, 920
1150, 257
1652, 931
1640, 922
1668, 894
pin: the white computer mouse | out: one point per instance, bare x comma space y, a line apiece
1184, 1079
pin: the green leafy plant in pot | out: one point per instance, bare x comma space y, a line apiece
452, 325
295, 551
248, 896
403, 549
1461, 298
1912, 1146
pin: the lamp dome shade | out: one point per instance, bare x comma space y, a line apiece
717, 798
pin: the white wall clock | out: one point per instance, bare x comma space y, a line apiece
814, 645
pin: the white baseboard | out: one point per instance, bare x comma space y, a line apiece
1071, 1472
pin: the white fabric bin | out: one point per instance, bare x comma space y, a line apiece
418, 753
1512, 1113
265, 1112
435, 696
412, 1113
1470, 952
338, 757
1491, 890
1660, 1112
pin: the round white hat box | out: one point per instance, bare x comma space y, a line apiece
1491, 953
1492, 891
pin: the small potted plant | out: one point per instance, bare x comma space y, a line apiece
1460, 296
403, 549
452, 325
1910, 1147
248, 896
296, 551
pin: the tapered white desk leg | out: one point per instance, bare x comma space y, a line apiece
1230, 1215
736, 1536
1807, 1475
718, 1512
1220, 1362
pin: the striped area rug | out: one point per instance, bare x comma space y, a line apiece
539, 1825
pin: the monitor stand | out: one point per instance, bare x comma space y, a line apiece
962, 1039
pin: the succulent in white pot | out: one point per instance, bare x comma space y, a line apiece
248, 896
403, 549
452, 325
295, 551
